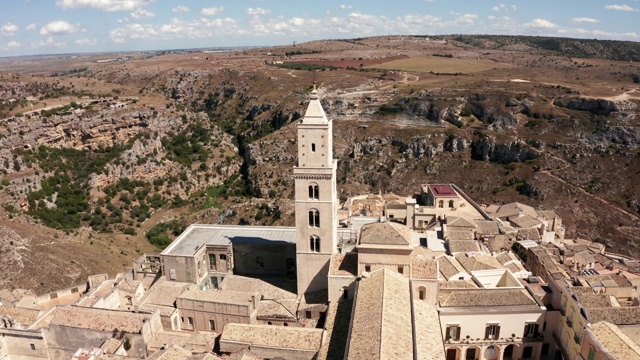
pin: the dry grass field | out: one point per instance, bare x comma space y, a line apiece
439, 64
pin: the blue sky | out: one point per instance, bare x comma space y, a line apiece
65, 26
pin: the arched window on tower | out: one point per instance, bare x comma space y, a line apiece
314, 191
422, 293
314, 218
451, 204
314, 243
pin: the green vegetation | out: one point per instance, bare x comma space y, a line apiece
64, 196
303, 66
158, 235
187, 146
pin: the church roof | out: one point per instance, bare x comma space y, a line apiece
386, 233
315, 113
381, 326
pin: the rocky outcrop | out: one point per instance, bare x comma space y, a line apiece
598, 107
622, 135
488, 150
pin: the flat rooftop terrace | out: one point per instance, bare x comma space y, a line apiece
197, 235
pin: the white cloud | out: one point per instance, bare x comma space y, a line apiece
50, 42
31, 27
258, 11
181, 9
503, 7
345, 6
296, 21
142, 14
86, 42
212, 11
106, 5
624, 7
584, 20
8, 29
541, 24
58, 28
13, 44
177, 29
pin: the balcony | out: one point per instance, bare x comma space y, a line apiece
533, 338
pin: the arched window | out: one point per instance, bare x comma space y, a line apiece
313, 147
441, 204
451, 203
314, 191
422, 293
314, 243
314, 218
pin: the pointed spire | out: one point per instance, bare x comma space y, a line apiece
315, 112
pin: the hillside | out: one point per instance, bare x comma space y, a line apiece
99, 158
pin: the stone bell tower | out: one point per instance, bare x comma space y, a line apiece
315, 198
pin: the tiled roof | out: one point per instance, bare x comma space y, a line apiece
458, 235
24, 317
458, 222
280, 308
337, 329
594, 300
386, 233
429, 345
615, 315
515, 209
485, 297
529, 234
478, 262
344, 264
381, 327
99, 319
297, 338
487, 227
174, 352
547, 214
463, 246
449, 267
524, 221
423, 267
615, 341
458, 284
272, 289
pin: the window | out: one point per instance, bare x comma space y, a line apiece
223, 257
212, 261
314, 244
492, 331
314, 191
441, 204
33, 346
259, 263
313, 147
545, 349
345, 293
190, 321
400, 269
212, 325
453, 332
367, 268
422, 293
530, 330
423, 241
314, 218
214, 282
451, 203
307, 314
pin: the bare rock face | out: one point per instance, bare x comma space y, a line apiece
488, 150
598, 107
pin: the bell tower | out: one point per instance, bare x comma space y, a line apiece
315, 198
